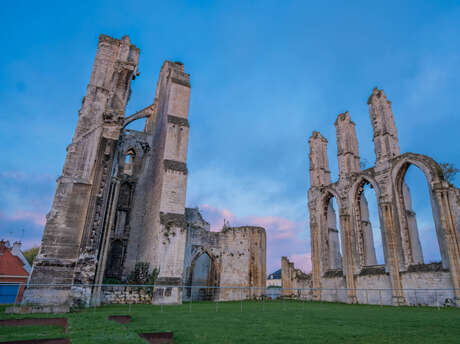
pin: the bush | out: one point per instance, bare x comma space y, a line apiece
141, 274
31, 253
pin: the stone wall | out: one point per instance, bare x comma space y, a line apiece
294, 282
237, 255
127, 295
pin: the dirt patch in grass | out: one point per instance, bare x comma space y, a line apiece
158, 337
121, 319
41, 341
36, 322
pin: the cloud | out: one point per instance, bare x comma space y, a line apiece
216, 216
245, 193
26, 227
301, 261
24, 200
284, 237
38, 219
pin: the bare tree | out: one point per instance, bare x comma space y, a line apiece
449, 171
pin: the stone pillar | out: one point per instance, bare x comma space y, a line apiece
368, 236
319, 163
105, 243
386, 143
348, 261
347, 145
416, 247
450, 240
74, 224
335, 257
319, 177
393, 252
315, 259
286, 276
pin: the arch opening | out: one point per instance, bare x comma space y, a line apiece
334, 240
417, 210
370, 229
129, 162
202, 278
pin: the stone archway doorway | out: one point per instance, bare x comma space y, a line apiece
203, 278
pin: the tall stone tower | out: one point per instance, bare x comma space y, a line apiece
386, 143
75, 222
319, 163
158, 229
347, 145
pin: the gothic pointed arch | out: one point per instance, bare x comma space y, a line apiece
207, 292
330, 230
409, 232
366, 235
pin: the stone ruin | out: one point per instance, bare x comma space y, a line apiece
121, 198
295, 282
345, 259
233, 257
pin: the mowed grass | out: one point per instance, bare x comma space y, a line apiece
254, 322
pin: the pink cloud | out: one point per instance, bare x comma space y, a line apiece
301, 261
35, 217
278, 227
216, 216
284, 237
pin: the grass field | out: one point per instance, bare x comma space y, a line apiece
255, 322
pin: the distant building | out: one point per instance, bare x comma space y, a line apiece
14, 272
274, 279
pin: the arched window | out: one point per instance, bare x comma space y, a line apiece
333, 234
370, 231
416, 199
129, 162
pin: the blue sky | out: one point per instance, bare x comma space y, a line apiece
264, 75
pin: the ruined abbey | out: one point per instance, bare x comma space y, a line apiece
119, 210
343, 252
120, 200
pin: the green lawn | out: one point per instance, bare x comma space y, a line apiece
256, 322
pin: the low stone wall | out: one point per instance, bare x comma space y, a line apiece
423, 286
127, 295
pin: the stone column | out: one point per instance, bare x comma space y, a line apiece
319, 177
416, 254
315, 260
286, 276
393, 254
111, 211
450, 240
348, 262
368, 248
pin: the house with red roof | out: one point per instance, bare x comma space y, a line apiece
14, 272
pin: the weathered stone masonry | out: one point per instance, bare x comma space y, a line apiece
295, 282
404, 268
236, 258
71, 240
121, 197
